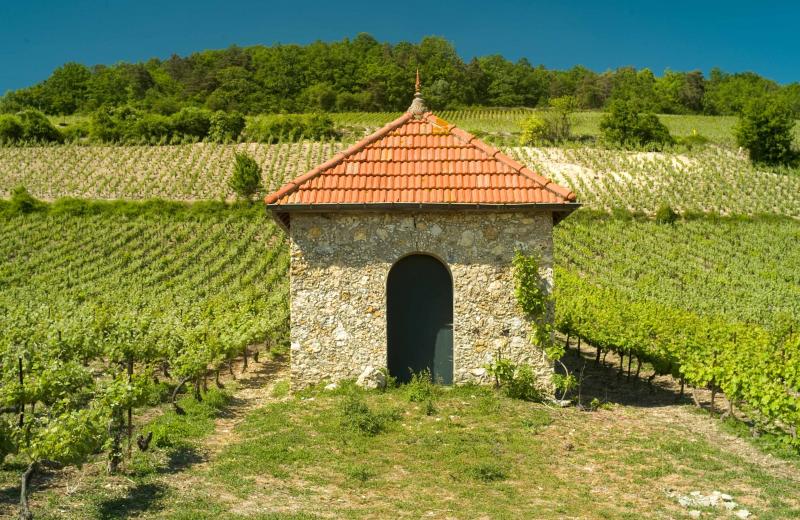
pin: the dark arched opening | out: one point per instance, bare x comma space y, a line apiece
419, 318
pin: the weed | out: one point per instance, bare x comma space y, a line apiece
487, 472
360, 473
421, 388
356, 415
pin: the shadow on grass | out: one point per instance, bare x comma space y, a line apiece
9, 496
142, 498
182, 458
604, 382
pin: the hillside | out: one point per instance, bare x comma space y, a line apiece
192, 286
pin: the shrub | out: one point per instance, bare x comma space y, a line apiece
534, 131
226, 127
24, 202
36, 127
625, 126
291, 127
356, 415
516, 381
666, 215
76, 131
112, 125
421, 388
765, 130
151, 128
551, 126
692, 140
246, 178
11, 129
192, 121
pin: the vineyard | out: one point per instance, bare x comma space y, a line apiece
98, 303
714, 302
108, 308
708, 180
181, 172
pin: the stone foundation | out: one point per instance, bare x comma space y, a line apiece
340, 263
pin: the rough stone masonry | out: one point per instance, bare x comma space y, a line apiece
339, 267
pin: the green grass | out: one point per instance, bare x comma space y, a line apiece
480, 453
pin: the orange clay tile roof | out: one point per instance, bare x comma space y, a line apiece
419, 160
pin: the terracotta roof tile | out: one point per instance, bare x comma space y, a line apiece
424, 160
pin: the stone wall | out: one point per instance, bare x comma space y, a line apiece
340, 263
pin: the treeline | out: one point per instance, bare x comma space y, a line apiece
364, 74
128, 125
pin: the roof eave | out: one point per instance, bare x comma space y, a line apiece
281, 212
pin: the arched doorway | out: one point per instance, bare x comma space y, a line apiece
419, 318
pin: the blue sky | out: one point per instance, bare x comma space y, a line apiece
38, 35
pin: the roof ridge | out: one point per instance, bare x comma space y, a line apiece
295, 183
498, 154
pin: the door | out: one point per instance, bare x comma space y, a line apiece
419, 319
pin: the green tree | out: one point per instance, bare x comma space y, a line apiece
765, 130
623, 125
36, 127
246, 178
11, 128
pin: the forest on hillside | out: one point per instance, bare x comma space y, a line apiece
363, 74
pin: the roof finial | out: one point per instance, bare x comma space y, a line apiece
417, 108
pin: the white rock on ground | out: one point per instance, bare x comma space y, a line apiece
371, 378
742, 513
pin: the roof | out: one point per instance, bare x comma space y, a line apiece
419, 160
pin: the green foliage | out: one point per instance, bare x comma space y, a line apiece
535, 130
553, 125
357, 416
290, 127
246, 178
176, 431
11, 129
379, 76
765, 130
23, 202
226, 127
191, 121
533, 297
487, 472
421, 388
37, 128
692, 140
76, 131
517, 381
706, 318
623, 125
666, 215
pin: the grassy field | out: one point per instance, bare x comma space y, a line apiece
253, 451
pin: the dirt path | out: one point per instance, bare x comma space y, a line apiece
660, 404
254, 389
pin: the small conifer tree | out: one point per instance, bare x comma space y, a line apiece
246, 178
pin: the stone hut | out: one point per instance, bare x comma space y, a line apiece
401, 249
